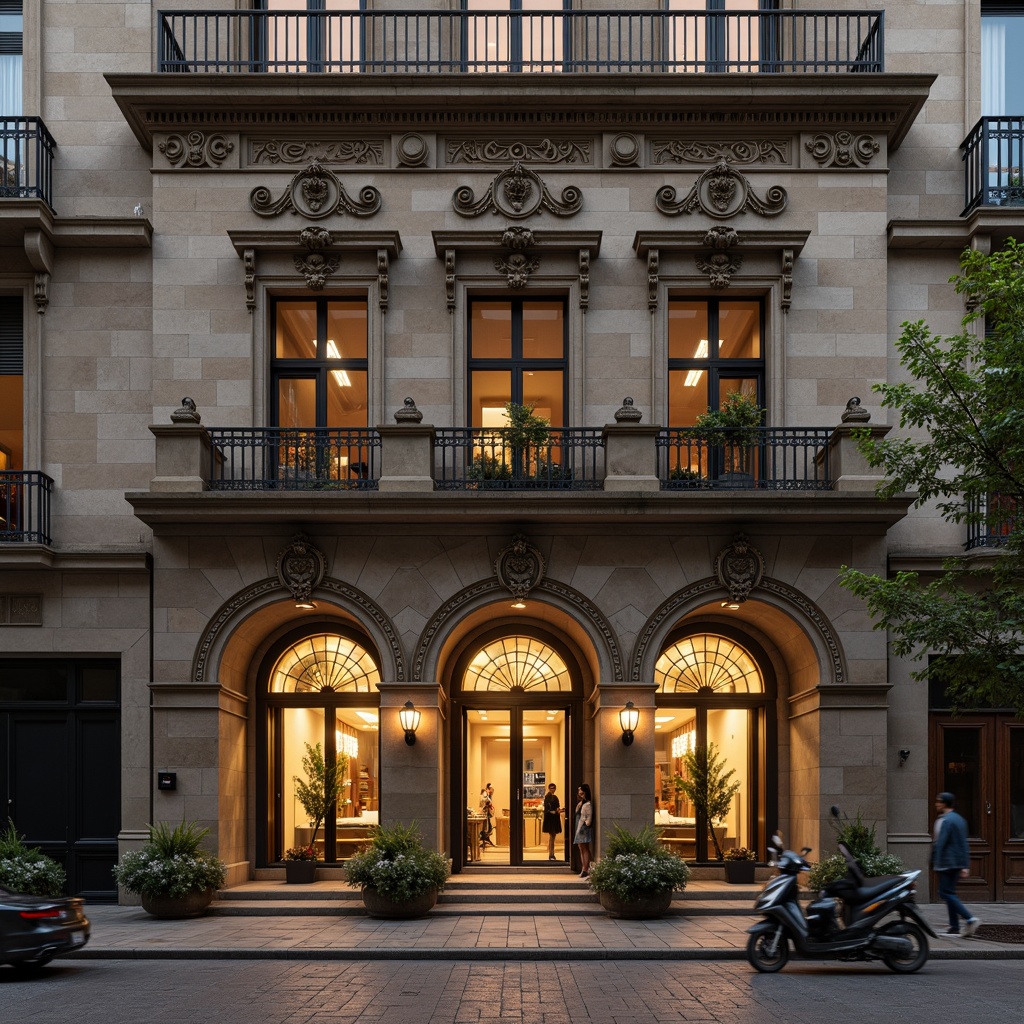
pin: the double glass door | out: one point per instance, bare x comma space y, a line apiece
520, 751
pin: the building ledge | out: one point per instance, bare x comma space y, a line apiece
993, 223
17, 556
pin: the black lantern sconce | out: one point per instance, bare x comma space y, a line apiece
629, 717
410, 720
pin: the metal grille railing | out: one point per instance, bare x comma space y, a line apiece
25, 506
762, 458
521, 41
26, 159
993, 156
991, 524
465, 458
293, 459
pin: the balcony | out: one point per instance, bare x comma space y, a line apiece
447, 42
26, 159
993, 156
25, 507
993, 526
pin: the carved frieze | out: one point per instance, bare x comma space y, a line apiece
739, 568
743, 151
315, 265
21, 609
516, 193
519, 567
842, 149
315, 192
301, 567
722, 192
534, 151
326, 151
196, 149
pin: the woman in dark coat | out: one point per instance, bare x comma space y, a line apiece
552, 819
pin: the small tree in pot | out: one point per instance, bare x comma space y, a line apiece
708, 787
319, 791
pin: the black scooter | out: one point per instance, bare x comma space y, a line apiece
864, 930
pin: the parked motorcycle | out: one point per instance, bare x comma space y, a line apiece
853, 918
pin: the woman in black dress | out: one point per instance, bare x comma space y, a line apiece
552, 819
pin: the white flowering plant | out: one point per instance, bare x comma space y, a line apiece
637, 865
171, 863
24, 869
396, 864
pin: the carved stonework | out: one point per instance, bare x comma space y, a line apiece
584, 279
21, 609
316, 266
534, 151
519, 567
842, 149
855, 412
187, 413
411, 150
787, 279
196, 149
517, 238
688, 151
517, 266
719, 266
628, 412
383, 280
449, 278
301, 567
326, 151
41, 292
739, 568
315, 193
722, 192
517, 193
652, 280
408, 413
625, 150
721, 236
249, 266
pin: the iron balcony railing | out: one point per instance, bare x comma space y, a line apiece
26, 159
25, 506
993, 156
293, 459
520, 41
465, 458
992, 526
763, 458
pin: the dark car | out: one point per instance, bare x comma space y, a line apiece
35, 929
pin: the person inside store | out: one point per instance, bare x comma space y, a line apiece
552, 824
487, 810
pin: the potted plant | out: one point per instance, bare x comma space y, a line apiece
319, 791
709, 788
24, 869
398, 876
300, 865
739, 865
509, 452
734, 428
174, 877
637, 875
860, 839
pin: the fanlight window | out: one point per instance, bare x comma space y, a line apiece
517, 663
325, 663
707, 665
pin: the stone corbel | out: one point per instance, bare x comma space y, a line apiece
449, 279
584, 279
383, 283
787, 279
249, 263
652, 279
39, 250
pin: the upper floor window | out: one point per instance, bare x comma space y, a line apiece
294, 35
496, 42
10, 57
12, 403
1002, 73
517, 353
725, 43
319, 368
715, 347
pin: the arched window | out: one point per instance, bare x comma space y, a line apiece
324, 663
707, 664
518, 664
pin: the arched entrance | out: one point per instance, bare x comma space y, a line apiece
517, 723
317, 700
715, 686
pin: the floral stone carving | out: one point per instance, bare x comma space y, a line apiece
301, 567
315, 192
739, 568
196, 149
316, 267
519, 567
516, 193
721, 192
843, 149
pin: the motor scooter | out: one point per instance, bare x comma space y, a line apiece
852, 918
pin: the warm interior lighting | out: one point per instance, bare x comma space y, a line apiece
307, 605
409, 718
629, 716
731, 605
518, 604
369, 717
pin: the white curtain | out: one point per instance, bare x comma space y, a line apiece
993, 67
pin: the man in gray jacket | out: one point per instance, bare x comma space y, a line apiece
950, 860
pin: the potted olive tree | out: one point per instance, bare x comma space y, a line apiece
733, 431
318, 793
709, 787
511, 452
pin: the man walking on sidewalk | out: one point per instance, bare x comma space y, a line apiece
950, 860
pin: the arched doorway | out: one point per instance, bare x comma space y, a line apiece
517, 722
317, 698
715, 686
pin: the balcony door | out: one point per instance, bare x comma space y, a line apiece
513, 35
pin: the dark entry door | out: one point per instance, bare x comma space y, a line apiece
980, 759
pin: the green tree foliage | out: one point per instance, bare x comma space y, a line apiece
321, 787
963, 408
708, 787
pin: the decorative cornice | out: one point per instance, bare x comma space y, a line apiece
196, 149
325, 151
315, 192
742, 151
721, 192
842, 149
516, 193
534, 151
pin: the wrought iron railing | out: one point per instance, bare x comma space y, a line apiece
520, 41
993, 156
571, 459
762, 458
25, 506
992, 526
293, 459
26, 159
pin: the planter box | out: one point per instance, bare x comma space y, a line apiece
299, 872
173, 907
636, 909
739, 872
380, 906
